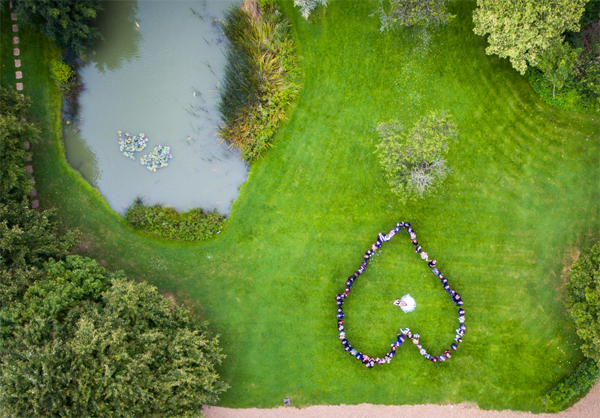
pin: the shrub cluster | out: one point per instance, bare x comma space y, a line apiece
261, 76
583, 302
193, 225
574, 386
413, 160
579, 89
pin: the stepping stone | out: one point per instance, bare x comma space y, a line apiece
32, 179
15, 28
13, 15
33, 193
16, 40
29, 169
19, 86
16, 51
19, 75
28, 158
17, 63
26, 144
35, 204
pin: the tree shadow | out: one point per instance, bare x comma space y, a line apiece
118, 24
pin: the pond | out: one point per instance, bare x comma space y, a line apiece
157, 73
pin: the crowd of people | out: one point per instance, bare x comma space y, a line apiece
405, 334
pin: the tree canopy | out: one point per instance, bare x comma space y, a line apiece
67, 22
583, 300
90, 343
522, 30
413, 160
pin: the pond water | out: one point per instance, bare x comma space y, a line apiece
157, 72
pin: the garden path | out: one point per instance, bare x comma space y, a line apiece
588, 407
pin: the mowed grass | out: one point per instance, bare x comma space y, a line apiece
523, 195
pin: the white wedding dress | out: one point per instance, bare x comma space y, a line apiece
410, 303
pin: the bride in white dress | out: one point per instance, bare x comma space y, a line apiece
406, 303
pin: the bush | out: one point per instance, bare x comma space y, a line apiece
574, 386
193, 225
65, 78
261, 77
15, 182
583, 301
581, 91
413, 161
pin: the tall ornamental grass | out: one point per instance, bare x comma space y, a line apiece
261, 77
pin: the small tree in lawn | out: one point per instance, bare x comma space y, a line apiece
413, 161
557, 63
426, 13
307, 6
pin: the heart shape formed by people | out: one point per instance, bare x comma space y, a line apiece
407, 304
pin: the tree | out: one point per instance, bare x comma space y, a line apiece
413, 161
307, 6
583, 301
28, 238
426, 13
65, 21
109, 347
557, 63
523, 29
15, 182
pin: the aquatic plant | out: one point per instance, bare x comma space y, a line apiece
130, 144
261, 77
157, 158
193, 225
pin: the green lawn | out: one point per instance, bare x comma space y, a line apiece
523, 193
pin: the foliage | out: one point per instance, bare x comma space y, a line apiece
15, 182
557, 63
318, 195
583, 302
125, 352
426, 13
193, 225
581, 91
413, 161
307, 6
575, 385
571, 97
65, 21
65, 78
261, 78
28, 238
523, 29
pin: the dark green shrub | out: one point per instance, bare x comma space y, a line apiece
581, 90
573, 387
583, 302
261, 77
65, 21
193, 225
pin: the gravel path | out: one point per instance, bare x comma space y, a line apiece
588, 407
